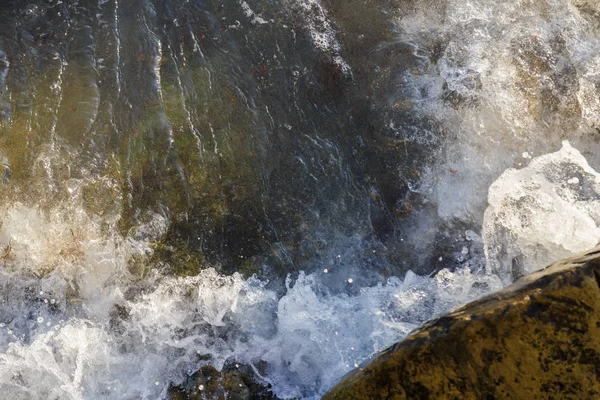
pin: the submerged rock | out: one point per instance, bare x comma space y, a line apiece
234, 382
538, 338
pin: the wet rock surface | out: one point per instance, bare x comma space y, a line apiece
234, 382
538, 338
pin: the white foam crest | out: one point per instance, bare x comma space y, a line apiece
56, 364
544, 212
71, 253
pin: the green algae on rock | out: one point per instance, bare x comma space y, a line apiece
538, 338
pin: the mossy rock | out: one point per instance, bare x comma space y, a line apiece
537, 339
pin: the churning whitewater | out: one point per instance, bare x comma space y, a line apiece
77, 324
65, 278
277, 184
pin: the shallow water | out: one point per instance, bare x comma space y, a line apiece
290, 185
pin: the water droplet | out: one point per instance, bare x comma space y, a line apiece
326, 270
201, 387
157, 383
350, 280
52, 301
40, 320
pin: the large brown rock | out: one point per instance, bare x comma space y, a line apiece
537, 339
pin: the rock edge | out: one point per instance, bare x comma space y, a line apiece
538, 338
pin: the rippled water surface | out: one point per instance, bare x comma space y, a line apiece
292, 185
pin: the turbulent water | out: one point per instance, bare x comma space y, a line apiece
291, 185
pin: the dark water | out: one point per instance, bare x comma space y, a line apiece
256, 139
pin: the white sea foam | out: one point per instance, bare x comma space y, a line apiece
320, 29
544, 212
503, 79
62, 336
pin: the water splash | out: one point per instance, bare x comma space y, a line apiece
541, 213
85, 315
78, 322
501, 79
